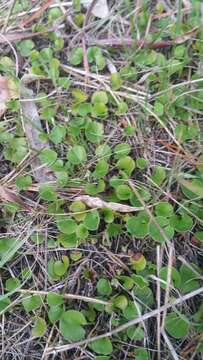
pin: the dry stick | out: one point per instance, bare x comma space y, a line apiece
96, 202
168, 282
36, 14
65, 296
20, 36
159, 262
170, 346
153, 313
85, 60
44, 356
143, 43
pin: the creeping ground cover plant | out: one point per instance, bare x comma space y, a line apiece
101, 180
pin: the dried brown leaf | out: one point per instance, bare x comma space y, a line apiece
9, 196
96, 202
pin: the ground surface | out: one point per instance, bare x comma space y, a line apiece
101, 179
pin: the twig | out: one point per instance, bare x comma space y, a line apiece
20, 36
36, 14
153, 313
89, 10
32, 127
158, 295
168, 282
96, 202
159, 44
170, 346
65, 296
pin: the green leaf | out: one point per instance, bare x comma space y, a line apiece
122, 108
104, 287
82, 232
54, 14
55, 313
131, 311
194, 187
116, 81
141, 353
66, 225
103, 151
54, 70
23, 182
108, 215
144, 294
102, 346
99, 110
175, 277
93, 189
158, 175
25, 47
47, 192
76, 56
181, 222
32, 302
68, 240
155, 232
78, 209
142, 163
60, 268
120, 302
164, 209
176, 325
77, 155
101, 169
57, 134
137, 227
12, 283
79, 95
92, 220
94, 131
3, 304
99, 97
127, 164
71, 325
189, 281
138, 262
121, 150
135, 333
39, 328
54, 299
123, 192
48, 156
158, 108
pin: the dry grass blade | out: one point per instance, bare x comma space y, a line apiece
126, 41
66, 296
37, 14
12, 37
33, 128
